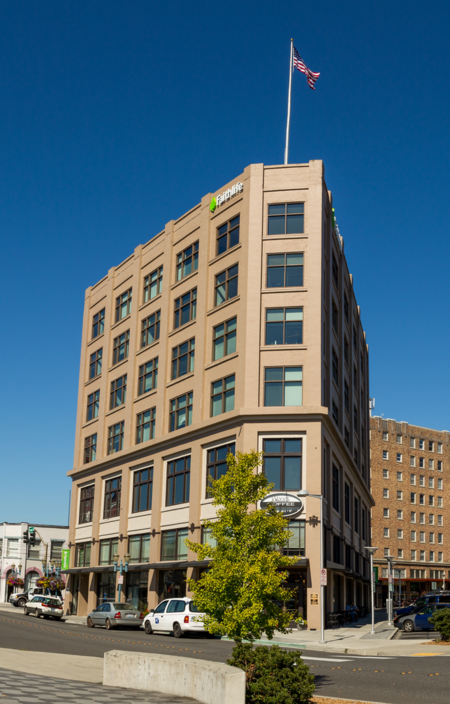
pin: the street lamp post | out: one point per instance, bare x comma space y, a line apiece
302, 493
371, 552
121, 568
391, 564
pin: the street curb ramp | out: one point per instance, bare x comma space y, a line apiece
208, 682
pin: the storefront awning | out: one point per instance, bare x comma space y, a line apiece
86, 570
141, 567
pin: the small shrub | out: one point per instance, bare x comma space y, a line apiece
441, 623
274, 676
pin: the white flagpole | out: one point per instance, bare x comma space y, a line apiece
288, 124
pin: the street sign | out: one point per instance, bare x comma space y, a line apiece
65, 559
375, 571
323, 578
31, 529
120, 579
390, 579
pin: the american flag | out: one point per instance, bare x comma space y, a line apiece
311, 77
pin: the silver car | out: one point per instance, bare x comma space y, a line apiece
114, 615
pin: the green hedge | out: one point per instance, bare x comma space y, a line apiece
441, 623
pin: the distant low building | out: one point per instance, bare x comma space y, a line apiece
25, 561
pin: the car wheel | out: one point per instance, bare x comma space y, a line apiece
408, 626
36, 614
108, 624
90, 623
177, 632
25, 611
21, 602
148, 628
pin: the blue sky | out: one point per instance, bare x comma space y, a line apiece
118, 116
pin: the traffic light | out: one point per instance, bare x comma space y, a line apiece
32, 537
25, 536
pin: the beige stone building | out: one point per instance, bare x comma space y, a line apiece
411, 518
236, 328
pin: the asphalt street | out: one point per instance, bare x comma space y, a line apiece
388, 680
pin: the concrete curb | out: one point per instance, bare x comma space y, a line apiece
359, 701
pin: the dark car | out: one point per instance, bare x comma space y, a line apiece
420, 619
430, 598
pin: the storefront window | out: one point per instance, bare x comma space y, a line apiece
108, 548
139, 548
172, 544
172, 583
106, 586
296, 544
137, 589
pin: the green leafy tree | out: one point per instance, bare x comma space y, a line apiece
441, 623
242, 590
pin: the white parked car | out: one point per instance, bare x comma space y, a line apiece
177, 616
44, 606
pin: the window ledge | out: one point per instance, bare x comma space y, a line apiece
95, 339
115, 366
147, 347
285, 289
186, 278
285, 237
114, 410
152, 300
222, 359
182, 327
83, 525
95, 378
146, 395
122, 320
224, 254
283, 347
180, 378
109, 520
90, 422
223, 305
174, 507
139, 513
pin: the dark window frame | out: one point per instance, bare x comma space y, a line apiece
153, 284
177, 554
213, 466
347, 503
138, 484
148, 371
142, 422
187, 258
283, 387
118, 344
224, 393
186, 302
336, 485
301, 550
113, 548
86, 508
178, 354
226, 235
123, 304
112, 496
226, 335
98, 324
286, 325
283, 455
83, 554
150, 329
143, 557
112, 435
90, 449
93, 402
226, 285
335, 366
95, 363
118, 393
174, 473
286, 267
275, 216
176, 409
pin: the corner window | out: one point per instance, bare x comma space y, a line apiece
150, 329
95, 365
121, 347
181, 412
142, 490
153, 284
222, 395
284, 270
173, 546
113, 488
178, 481
187, 261
86, 504
183, 358
185, 308
115, 438
296, 541
139, 548
123, 305
118, 392
90, 449
148, 376
224, 339
282, 463
83, 555
226, 285
284, 326
98, 324
217, 463
286, 219
93, 401
283, 386
228, 235
145, 426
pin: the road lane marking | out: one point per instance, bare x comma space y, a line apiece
308, 657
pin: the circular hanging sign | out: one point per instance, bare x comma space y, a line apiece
287, 504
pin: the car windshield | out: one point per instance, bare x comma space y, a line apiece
193, 608
37, 598
124, 607
51, 602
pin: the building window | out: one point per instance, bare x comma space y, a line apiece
385, 474
440, 502
284, 270
431, 555
142, 490
440, 538
123, 305
286, 219
173, 546
90, 449
83, 555
118, 392
334, 316
347, 503
400, 534
115, 438
296, 541
121, 347
422, 536
185, 308
421, 444
431, 519
354, 338
86, 504
421, 463
430, 446
113, 488
178, 480
98, 324
226, 285
422, 518
413, 498
430, 464
355, 418
422, 499
108, 548
95, 365
400, 515
153, 284
139, 548
385, 455
217, 463
93, 401
385, 532
34, 551
284, 326
386, 552
431, 500
385, 493
412, 442
283, 386
413, 516
431, 482
228, 235
431, 537
413, 536
385, 437
412, 461
336, 489
148, 376
187, 261
399, 439
422, 480
399, 457
56, 547
399, 496
356, 513
183, 358
334, 270
347, 436
440, 557
346, 396
346, 350
145, 425
385, 513
282, 463
346, 307
439, 465
440, 520
181, 412
440, 483
222, 395
335, 412
413, 557
439, 448
224, 339
335, 367
150, 329
399, 476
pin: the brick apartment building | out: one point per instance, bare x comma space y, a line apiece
411, 517
236, 328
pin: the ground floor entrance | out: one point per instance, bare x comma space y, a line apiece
295, 584
106, 587
172, 583
136, 589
